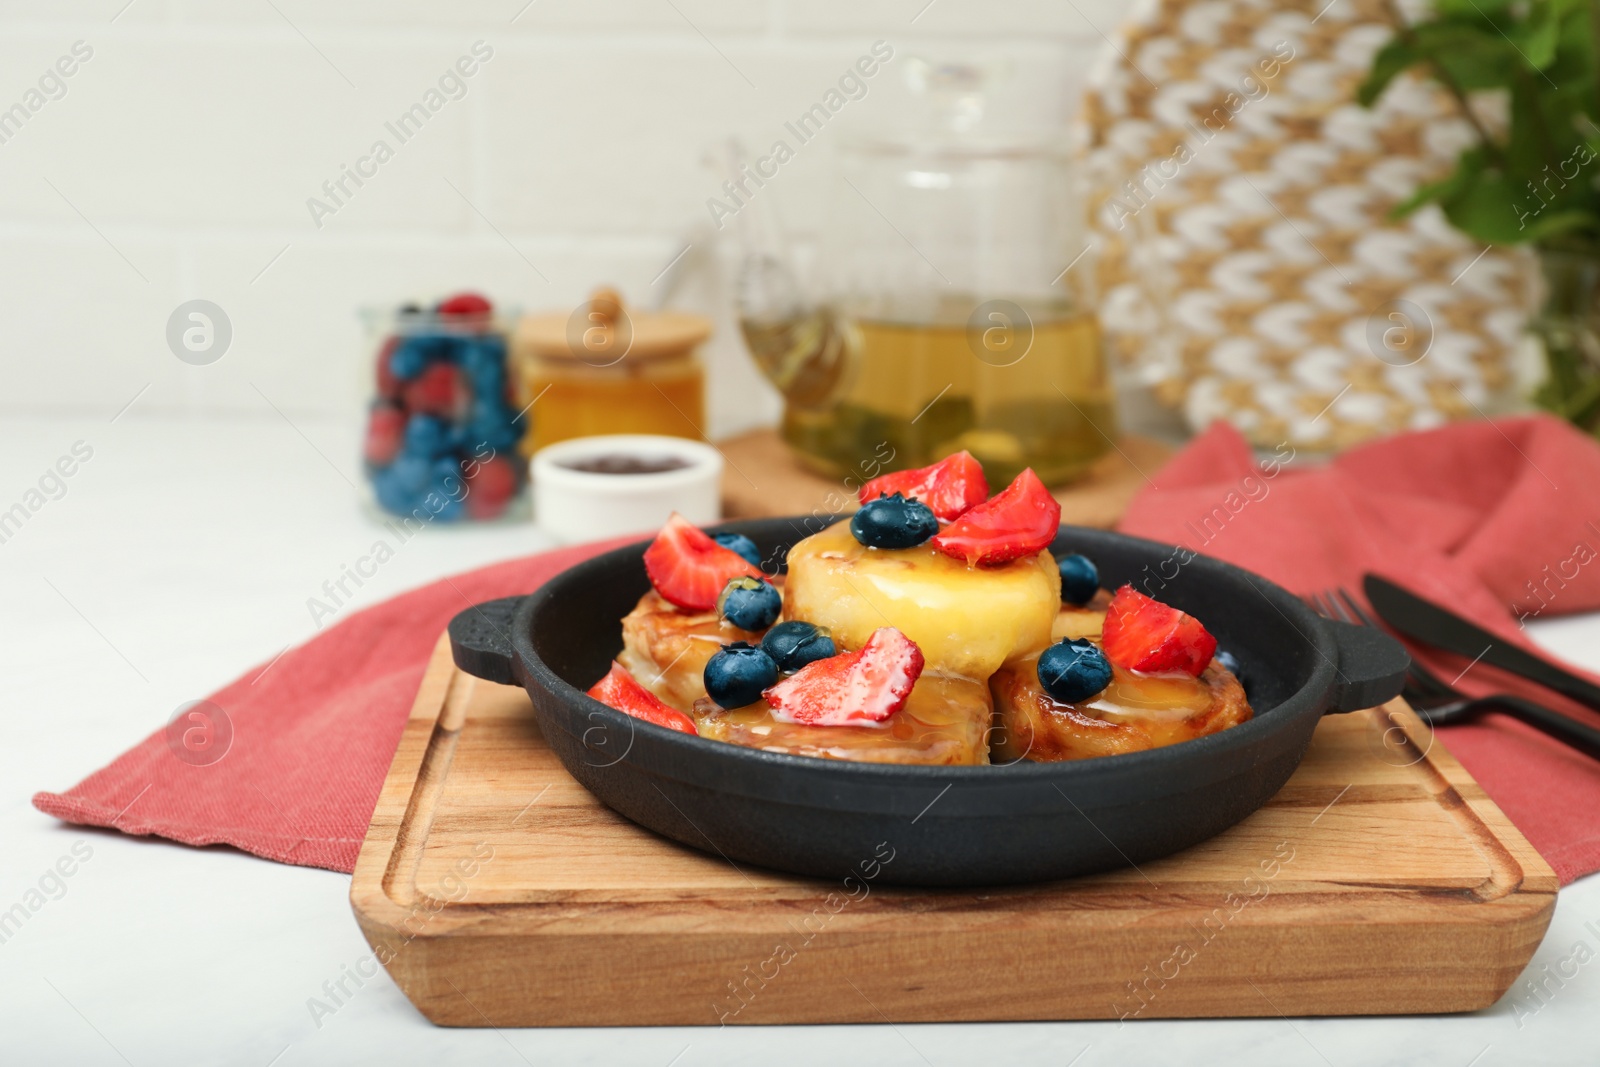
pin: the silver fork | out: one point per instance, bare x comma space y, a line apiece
1440, 702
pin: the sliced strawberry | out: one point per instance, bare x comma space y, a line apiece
439, 390
867, 685
688, 568
949, 487
1142, 634
1021, 520
490, 486
463, 305
619, 690
386, 428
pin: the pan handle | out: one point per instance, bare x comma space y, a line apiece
1371, 669
480, 640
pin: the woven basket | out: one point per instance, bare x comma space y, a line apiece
1247, 266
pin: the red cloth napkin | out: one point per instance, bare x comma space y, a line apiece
1499, 521
313, 733
1470, 516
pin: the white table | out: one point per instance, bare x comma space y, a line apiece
183, 552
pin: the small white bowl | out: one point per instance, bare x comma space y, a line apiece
573, 505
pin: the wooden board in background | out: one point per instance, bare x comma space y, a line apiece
763, 480
499, 892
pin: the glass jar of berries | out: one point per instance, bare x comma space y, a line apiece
441, 432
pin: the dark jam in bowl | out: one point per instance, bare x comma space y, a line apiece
622, 463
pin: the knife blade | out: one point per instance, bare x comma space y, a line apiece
1431, 624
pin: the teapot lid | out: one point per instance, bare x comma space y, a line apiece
602, 330
956, 118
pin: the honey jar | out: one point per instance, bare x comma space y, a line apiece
603, 369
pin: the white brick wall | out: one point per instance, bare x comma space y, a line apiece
180, 158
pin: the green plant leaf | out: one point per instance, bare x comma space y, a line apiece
1525, 189
1392, 60
1468, 9
1536, 38
1475, 58
1469, 165
1440, 190
1525, 145
1483, 208
1543, 53
1549, 225
1425, 194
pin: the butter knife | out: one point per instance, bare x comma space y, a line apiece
1431, 624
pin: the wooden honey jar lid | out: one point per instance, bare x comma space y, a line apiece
602, 331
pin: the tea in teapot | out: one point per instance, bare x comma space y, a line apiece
954, 313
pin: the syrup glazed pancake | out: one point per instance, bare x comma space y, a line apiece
945, 720
906, 634
666, 648
1133, 713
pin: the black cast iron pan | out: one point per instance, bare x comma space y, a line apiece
947, 826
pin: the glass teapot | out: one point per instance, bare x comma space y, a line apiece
952, 310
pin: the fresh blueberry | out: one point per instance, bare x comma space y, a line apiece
451, 508
794, 644
412, 356
392, 494
440, 349
488, 378
407, 361
496, 435
491, 425
737, 673
445, 476
488, 350
1228, 662
894, 522
411, 473
489, 404
749, 603
742, 545
499, 436
436, 487
1072, 671
426, 437
1080, 579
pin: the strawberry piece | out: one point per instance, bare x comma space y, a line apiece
490, 486
386, 428
867, 685
689, 569
619, 690
1142, 634
439, 390
1021, 520
463, 305
949, 487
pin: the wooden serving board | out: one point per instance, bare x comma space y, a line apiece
498, 892
768, 482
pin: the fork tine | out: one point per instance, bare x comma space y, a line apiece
1339, 605
1360, 612
1337, 610
1420, 676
